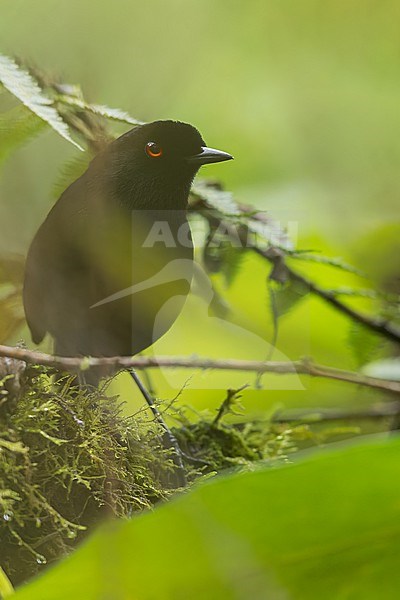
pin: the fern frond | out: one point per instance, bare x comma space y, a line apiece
336, 262
114, 114
24, 87
219, 199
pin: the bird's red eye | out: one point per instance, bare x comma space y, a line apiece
153, 150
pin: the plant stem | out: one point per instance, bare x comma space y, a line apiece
169, 440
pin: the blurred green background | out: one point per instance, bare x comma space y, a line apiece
305, 95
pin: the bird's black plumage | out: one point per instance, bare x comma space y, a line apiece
95, 243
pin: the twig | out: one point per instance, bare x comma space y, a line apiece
169, 440
302, 367
231, 397
376, 324
276, 256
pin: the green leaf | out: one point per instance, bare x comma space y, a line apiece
221, 256
17, 126
267, 229
22, 85
115, 114
363, 342
284, 296
6, 589
326, 527
217, 198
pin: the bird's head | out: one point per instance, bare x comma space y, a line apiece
161, 156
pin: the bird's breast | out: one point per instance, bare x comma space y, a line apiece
142, 264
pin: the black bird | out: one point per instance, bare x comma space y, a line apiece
117, 226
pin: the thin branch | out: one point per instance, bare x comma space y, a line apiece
301, 367
169, 440
231, 397
376, 324
276, 256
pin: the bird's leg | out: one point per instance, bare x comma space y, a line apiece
169, 439
148, 382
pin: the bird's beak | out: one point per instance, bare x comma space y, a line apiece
208, 155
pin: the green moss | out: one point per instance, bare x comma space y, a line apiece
215, 447
67, 460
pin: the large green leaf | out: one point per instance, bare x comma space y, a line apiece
6, 588
326, 527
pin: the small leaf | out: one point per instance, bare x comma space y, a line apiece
6, 589
263, 229
284, 296
22, 85
269, 230
363, 342
219, 199
221, 256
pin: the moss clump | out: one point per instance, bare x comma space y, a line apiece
217, 446
68, 459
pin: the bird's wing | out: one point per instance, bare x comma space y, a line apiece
53, 261
34, 299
